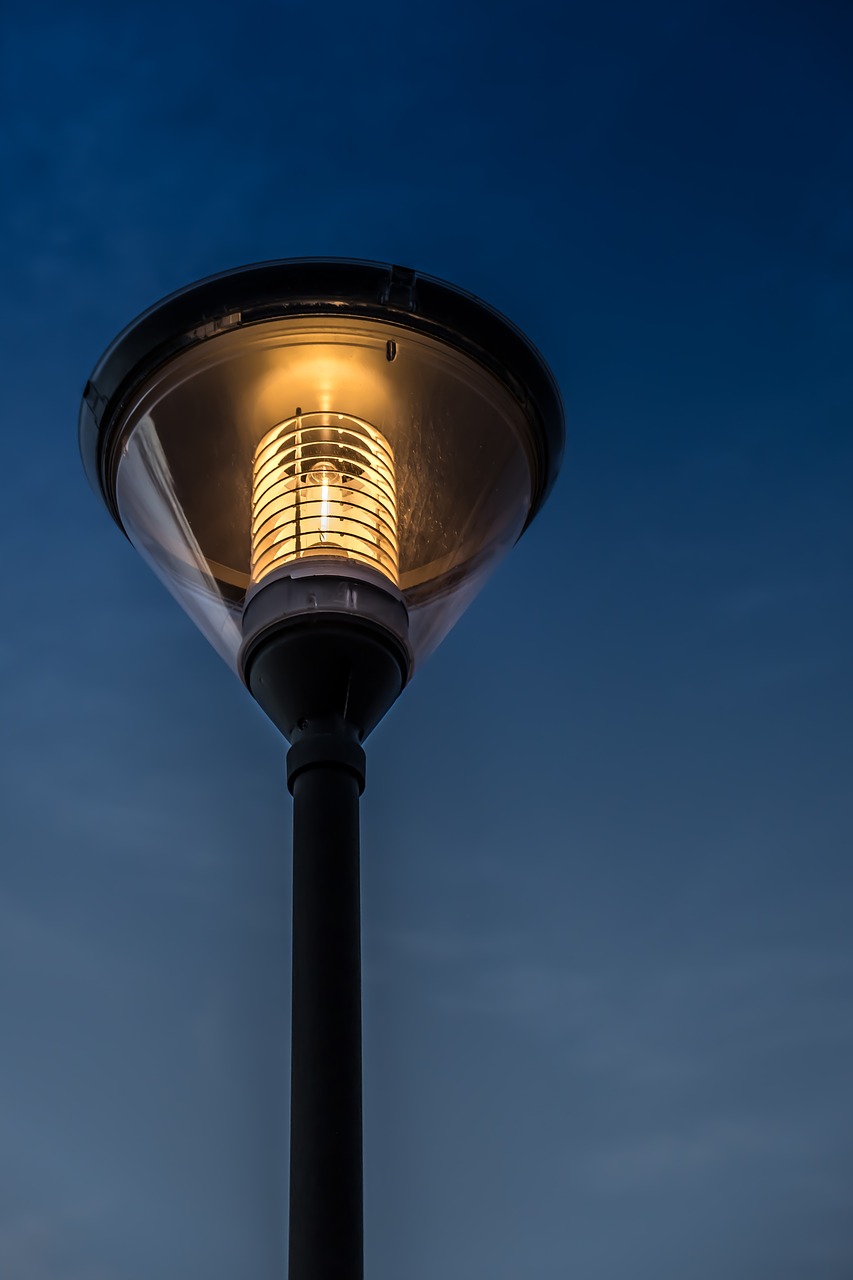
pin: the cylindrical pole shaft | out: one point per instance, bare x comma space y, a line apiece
326, 1216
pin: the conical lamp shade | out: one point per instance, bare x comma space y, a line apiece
322, 418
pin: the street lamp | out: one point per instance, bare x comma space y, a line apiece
323, 460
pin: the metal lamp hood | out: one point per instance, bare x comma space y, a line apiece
322, 435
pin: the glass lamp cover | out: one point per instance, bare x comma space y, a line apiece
351, 438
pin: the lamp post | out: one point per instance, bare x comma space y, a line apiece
323, 460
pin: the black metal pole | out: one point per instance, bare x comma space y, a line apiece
326, 677
326, 777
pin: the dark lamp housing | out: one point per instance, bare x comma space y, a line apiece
338, 437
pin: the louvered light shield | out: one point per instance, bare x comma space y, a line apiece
324, 486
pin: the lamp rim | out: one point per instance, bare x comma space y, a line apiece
303, 288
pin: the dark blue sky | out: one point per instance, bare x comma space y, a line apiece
607, 833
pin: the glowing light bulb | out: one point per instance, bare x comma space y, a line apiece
324, 485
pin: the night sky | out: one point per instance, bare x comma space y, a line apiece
607, 875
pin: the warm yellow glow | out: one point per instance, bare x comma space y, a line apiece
324, 485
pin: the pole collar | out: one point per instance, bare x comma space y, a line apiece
322, 750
